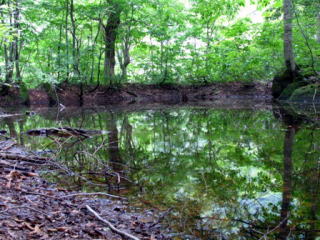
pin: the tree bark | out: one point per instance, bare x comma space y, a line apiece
9, 50
110, 36
124, 58
59, 52
16, 23
318, 33
67, 40
288, 39
75, 49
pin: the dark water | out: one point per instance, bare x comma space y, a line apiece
217, 173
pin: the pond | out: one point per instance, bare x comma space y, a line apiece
229, 172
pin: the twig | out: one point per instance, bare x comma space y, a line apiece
93, 194
315, 93
113, 228
275, 228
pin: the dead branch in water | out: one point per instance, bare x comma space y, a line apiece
63, 132
110, 225
93, 194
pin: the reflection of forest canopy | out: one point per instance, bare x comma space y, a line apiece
225, 166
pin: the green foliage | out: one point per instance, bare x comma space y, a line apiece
159, 41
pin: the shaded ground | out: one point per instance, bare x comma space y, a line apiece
31, 208
134, 93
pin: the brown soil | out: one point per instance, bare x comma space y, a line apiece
147, 94
32, 208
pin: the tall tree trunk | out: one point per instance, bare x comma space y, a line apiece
59, 53
93, 53
124, 58
75, 51
288, 40
318, 33
124, 55
287, 182
16, 23
110, 36
99, 66
9, 51
67, 40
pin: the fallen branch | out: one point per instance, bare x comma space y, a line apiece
32, 159
63, 132
110, 225
93, 194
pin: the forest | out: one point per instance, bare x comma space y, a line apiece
160, 119
114, 42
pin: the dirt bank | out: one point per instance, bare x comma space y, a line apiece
146, 94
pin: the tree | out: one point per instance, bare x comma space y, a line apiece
110, 37
318, 33
10, 16
287, 38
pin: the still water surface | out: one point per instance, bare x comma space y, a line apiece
217, 173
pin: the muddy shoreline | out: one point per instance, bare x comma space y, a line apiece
32, 208
74, 95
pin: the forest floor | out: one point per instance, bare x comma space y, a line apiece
32, 208
72, 95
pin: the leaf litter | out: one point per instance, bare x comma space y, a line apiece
33, 208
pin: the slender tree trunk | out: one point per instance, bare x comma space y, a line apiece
59, 53
99, 66
93, 53
16, 44
318, 33
124, 58
67, 40
288, 39
9, 50
110, 36
75, 50
124, 54
287, 182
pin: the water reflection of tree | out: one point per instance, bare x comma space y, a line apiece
119, 155
287, 181
296, 186
116, 161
